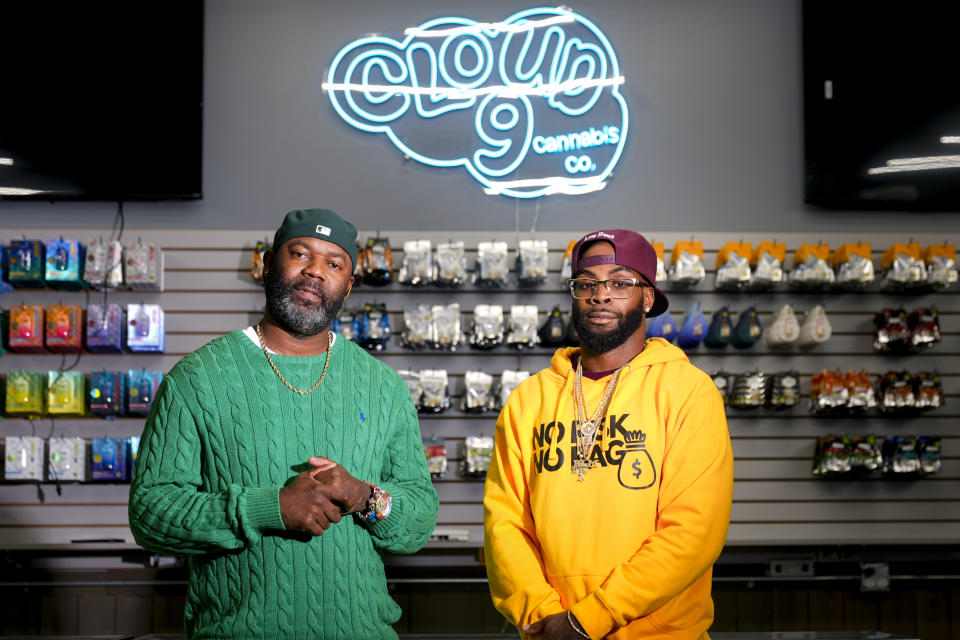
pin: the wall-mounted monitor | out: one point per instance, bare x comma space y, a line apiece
101, 100
881, 105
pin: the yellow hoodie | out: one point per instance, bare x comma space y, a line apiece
630, 550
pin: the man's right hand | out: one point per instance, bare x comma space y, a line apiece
305, 506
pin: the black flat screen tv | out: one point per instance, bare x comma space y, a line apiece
101, 100
881, 104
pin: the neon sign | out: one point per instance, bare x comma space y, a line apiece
530, 106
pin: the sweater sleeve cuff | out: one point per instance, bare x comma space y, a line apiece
593, 616
263, 508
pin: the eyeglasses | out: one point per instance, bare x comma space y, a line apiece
621, 288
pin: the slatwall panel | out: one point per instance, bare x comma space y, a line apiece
776, 499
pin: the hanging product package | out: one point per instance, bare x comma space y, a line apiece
508, 382
686, 263
924, 325
64, 328
412, 380
451, 267
784, 329
567, 263
375, 329
26, 393
815, 329
347, 324
25, 263
416, 267
491, 267
811, 269
416, 327
902, 268
143, 266
146, 328
488, 329
784, 390
435, 396
749, 390
722, 380
733, 266
927, 391
477, 451
142, 388
720, 331
108, 458
748, 330
256, 262
766, 260
435, 448
694, 328
477, 392
66, 459
445, 328
892, 333
105, 330
66, 393
853, 265
531, 266
26, 329
377, 261
661, 266
24, 458
941, 263
522, 327
65, 262
108, 392
553, 330
662, 326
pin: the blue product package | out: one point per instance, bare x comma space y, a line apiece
108, 392
109, 459
694, 328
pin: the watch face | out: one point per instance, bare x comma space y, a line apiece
384, 504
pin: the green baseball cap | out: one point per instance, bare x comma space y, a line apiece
318, 223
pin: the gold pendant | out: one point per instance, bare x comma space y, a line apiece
580, 467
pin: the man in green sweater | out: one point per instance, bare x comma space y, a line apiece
283, 460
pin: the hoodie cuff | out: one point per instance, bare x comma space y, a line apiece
593, 616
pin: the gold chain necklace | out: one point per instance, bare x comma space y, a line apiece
589, 427
326, 363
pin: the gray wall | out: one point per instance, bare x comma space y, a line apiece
715, 114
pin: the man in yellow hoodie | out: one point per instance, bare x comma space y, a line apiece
608, 498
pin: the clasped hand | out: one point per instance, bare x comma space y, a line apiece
321, 496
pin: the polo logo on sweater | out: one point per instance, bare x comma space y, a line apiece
322, 230
555, 448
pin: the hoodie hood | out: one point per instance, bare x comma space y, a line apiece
655, 351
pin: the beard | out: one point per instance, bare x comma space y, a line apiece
297, 318
602, 342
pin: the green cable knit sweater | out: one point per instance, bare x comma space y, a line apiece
224, 435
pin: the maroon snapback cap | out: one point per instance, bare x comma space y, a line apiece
630, 249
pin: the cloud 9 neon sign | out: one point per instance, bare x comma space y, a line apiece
529, 106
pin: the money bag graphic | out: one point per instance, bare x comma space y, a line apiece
636, 468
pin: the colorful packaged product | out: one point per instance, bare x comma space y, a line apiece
143, 266
146, 328
67, 459
142, 387
24, 458
105, 328
64, 264
108, 457
25, 263
108, 393
26, 393
64, 328
26, 328
66, 393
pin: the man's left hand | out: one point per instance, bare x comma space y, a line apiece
350, 494
553, 627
